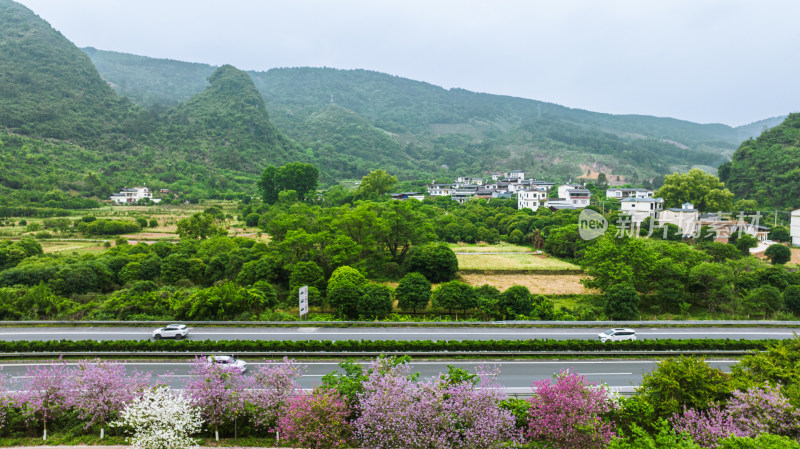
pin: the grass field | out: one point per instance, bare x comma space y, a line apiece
538, 284
70, 246
506, 257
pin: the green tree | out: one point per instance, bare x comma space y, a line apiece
766, 299
516, 300
745, 242
307, 273
454, 295
269, 189
705, 191
613, 260
791, 299
297, 176
621, 302
376, 302
778, 254
345, 290
438, 263
199, 226
780, 234
683, 382
413, 292
375, 184
712, 284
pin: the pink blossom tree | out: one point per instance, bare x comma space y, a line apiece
399, 412
101, 389
748, 414
217, 392
317, 420
270, 389
46, 394
567, 413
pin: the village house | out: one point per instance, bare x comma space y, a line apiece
517, 174
440, 189
531, 199
133, 195
629, 193
641, 208
686, 217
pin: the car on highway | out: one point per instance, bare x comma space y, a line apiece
227, 362
617, 334
176, 331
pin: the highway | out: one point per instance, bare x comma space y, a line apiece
515, 375
383, 333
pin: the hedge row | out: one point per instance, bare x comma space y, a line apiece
66, 346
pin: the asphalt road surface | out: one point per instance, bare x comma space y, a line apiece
385, 333
515, 375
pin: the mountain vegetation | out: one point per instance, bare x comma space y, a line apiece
205, 131
354, 121
767, 169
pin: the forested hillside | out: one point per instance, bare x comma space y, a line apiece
65, 133
767, 169
442, 130
48, 87
207, 131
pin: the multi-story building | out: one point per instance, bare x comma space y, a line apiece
133, 195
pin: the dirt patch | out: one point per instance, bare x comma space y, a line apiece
560, 284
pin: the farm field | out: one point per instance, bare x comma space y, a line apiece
538, 284
507, 257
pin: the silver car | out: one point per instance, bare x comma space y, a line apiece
176, 331
617, 334
227, 362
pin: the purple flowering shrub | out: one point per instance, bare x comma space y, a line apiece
217, 392
99, 390
749, 413
396, 411
46, 396
317, 420
269, 392
567, 413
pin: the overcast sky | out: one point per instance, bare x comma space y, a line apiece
708, 61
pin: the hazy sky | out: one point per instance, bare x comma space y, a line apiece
723, 61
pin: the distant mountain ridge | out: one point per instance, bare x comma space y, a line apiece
208, 131
435, 121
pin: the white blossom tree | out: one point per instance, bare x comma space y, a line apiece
160, 419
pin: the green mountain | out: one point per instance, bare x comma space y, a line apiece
767, 169
228, 124
49, 87
65, 132
356, 120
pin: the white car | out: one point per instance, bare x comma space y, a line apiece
176, 331
617, 334
227, 362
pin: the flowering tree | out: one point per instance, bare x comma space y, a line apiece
748, 414
567, 413
270, 390
100, 389
160, 419
217, 392
399, 412
46, 395
318, 421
